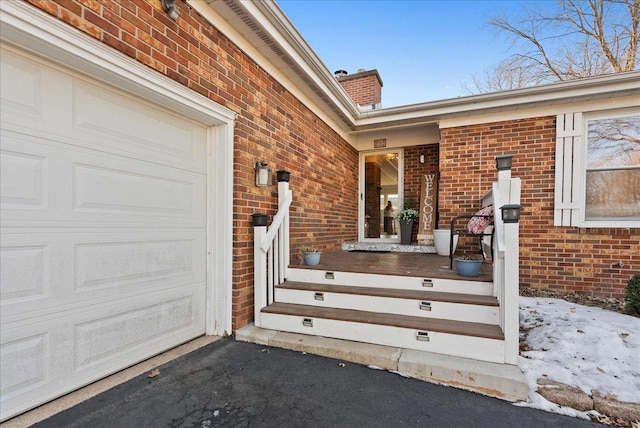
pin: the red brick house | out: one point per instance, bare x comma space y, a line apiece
130, 141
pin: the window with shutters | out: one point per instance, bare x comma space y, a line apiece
612, 186
598, 169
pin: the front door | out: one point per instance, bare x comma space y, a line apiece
381, 175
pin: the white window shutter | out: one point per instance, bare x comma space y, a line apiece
569, 169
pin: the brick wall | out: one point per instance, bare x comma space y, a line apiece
363, 88
271, 124
596, 262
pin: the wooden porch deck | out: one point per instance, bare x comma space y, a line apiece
401, 264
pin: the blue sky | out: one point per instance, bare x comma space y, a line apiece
423, 49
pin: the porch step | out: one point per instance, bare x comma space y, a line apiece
488, 331
468, 299
479, 341
406, 282
420, 303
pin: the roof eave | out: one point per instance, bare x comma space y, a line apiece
592, 88
271, 32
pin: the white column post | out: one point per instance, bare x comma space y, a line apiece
285, 246
510, 303
260, 266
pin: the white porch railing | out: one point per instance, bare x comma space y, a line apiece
506, 259
271, 249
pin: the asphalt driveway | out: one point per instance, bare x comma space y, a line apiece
236, 384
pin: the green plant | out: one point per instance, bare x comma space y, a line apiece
407, 214
409, 202
309, 249
632, 298
408, 211
470, 257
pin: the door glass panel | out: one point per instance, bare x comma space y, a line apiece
381, 195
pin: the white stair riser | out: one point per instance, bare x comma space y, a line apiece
392, 281
443, 343
443, 310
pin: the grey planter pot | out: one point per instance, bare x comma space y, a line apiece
406, 229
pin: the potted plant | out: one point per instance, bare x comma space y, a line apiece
311, 256
406, 217
469, 265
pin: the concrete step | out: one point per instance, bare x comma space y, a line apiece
420, 303
497, 380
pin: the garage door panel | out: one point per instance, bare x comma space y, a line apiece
44, 180
24, 364
22, 179
24, 275
52, 271
66, 352
101, 339
103, 240
51, 103
101, 116
23, 90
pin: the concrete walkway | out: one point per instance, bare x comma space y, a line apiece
496, 380
236, 384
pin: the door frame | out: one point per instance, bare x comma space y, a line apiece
28, 28
361, 189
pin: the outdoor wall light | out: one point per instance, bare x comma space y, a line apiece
421, 157
510, 213
263, 174
504, 162
171, 8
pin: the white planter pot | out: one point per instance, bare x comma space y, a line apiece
441, 238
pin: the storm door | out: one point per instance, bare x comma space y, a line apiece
381, 174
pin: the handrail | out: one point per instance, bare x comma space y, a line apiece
278, 219
271, 250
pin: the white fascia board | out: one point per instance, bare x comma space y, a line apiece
207, 10
285, 32
518, 99
553, 110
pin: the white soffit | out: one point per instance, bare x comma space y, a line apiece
264, 33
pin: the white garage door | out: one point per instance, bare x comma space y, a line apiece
103, 231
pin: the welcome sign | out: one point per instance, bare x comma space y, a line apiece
427, 218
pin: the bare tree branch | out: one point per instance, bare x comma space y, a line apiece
576, 39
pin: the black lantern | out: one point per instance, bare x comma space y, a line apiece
510, 213
259, 219
283, 175
504, 162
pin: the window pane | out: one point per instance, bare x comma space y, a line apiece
614, 142
613, 195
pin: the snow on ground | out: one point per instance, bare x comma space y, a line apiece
582, 346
